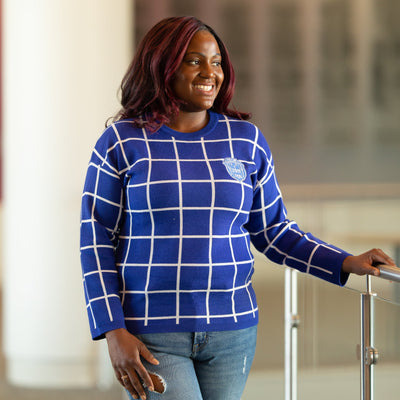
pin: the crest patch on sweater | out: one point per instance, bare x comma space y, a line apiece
235, 168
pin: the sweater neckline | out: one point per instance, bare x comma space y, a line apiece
192, 135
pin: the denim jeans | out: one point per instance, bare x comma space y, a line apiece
201, 365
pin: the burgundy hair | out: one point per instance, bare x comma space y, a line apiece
146, 89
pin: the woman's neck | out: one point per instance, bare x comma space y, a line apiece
189, 122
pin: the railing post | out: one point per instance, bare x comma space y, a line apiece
291, 325
369, 355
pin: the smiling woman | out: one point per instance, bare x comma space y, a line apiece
176, 189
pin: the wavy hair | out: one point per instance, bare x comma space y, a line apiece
147, 95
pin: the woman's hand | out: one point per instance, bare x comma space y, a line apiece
365, 263
125, 352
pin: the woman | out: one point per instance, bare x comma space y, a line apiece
176, 189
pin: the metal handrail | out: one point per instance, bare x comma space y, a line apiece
368, 353
389, 273
291, 325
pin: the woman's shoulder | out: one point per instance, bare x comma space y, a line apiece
235, 121
247, 131
239, 126
121, 130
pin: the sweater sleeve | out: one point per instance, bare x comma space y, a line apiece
279, 238
101, 212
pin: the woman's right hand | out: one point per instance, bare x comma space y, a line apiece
125, 352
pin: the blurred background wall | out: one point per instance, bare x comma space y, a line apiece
322, 79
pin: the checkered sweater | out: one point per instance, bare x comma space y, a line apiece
167, 220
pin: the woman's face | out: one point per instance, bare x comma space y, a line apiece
199, 77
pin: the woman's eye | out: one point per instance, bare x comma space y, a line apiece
217, 63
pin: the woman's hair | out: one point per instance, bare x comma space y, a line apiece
147, 93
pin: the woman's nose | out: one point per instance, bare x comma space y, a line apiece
207, 70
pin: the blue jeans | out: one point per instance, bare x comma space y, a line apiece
201, 365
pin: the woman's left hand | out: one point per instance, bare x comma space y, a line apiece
363, 264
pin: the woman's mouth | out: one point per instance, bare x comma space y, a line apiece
204, 88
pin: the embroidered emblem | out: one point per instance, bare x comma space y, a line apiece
235, 169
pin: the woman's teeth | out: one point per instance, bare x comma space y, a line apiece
204, 88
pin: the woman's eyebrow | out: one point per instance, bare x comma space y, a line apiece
202, 54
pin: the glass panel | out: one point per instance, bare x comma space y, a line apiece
267, 372
384, 289
387, 333
328, 338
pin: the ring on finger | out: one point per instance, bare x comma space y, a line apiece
124, 378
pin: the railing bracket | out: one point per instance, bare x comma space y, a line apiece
295, 321
371, 356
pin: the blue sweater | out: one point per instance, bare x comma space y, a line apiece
167, 220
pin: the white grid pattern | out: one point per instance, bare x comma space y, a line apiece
166, 228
